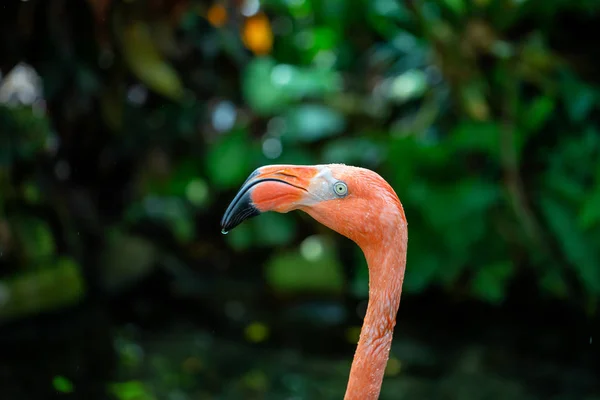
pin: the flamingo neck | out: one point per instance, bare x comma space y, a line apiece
387, 262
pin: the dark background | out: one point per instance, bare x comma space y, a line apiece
126, 127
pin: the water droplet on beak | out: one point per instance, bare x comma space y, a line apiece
224, 232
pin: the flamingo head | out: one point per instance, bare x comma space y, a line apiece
352, 201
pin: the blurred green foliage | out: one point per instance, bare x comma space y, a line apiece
62, 384
152, 114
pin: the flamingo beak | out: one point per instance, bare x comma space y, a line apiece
279, 188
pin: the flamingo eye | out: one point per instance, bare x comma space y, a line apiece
340, 189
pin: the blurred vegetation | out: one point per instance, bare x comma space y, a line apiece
126, 127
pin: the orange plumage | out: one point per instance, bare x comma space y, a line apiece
361, 205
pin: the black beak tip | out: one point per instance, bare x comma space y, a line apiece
240, 209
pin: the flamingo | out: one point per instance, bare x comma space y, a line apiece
359, 204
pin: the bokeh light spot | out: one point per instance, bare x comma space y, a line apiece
217, 15
272, 148
224, 116
256, 332
196, 192
312, 248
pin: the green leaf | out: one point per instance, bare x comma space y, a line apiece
573, 243
197, 192
477, 136
441, 209
579, 99
300, 9
473, 99
31, 192
24, 133
404, 153
132, 390
269, 229
228, 161
334, 12
318, 40
309, 123
184, 173
353, 151
170, 210
147, 63
35, 238
258, 89
590, 212
537, 113
387, 18
457, 6
241, 238
273, 229
62, 384
563, 184
269, 87
390, 9
489, 282
312, 268
456, 203
423, 268
54, 285
177, 183
589, 215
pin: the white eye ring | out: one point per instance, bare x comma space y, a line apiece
340, 189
